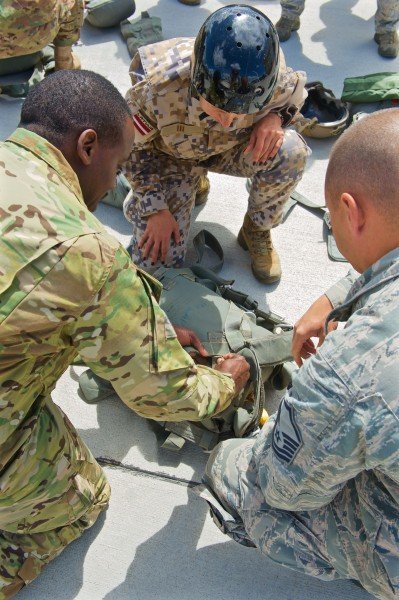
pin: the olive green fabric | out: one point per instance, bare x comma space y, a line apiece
18, 64
108, 13
43, 65
225, 320
371, 88
141, 31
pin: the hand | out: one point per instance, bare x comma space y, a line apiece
187, 337
155, 240
311, 324
266, 138
236, 366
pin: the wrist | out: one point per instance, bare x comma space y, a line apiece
280, 118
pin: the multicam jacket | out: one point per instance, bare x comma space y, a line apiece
169, 120
28, 25
67, 288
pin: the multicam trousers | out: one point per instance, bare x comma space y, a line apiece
386, 17
24, 555
272, 184
310, 541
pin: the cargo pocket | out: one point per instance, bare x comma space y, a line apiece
166, 354
165, 351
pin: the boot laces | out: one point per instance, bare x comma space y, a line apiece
262, 241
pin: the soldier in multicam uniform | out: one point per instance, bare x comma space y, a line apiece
202, 105
69, 288
317, 490
386, 19
27, 27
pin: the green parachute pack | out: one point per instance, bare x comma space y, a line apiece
225, 320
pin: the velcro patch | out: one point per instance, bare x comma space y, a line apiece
142, 125
287, 438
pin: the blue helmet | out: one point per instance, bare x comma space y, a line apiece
236, 59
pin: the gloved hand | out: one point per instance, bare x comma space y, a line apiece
65, 58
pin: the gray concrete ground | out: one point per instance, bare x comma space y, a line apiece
156, 540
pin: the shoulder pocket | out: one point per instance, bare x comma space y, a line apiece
166, 353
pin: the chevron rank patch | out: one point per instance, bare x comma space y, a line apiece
144, 128
287, 439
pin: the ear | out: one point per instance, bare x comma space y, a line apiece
354, 212
87, 146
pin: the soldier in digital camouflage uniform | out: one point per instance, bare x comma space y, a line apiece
317, 490
27, 27
67, 288
386, 19
192, 116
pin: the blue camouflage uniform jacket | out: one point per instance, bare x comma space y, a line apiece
334, 442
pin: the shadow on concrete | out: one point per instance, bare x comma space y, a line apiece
355, 36
69, 561
190, 19
170, 565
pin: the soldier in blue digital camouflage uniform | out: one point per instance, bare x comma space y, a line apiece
317, 490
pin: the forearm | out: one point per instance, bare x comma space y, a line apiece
192, 394
338, 292
126, 338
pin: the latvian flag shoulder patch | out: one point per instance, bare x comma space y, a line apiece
142, 125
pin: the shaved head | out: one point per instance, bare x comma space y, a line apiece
364, 162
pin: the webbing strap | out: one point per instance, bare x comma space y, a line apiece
241, 421
297, 198
233, 329
189, 431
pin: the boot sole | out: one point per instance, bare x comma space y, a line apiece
244, 246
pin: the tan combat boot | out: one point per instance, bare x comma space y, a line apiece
265, 261
202, 191
388, 43
285, 25
65, 58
